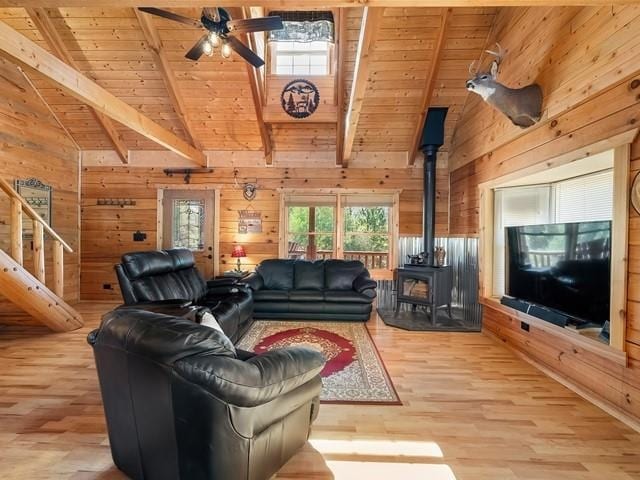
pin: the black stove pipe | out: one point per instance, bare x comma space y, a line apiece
432, 140
429, 214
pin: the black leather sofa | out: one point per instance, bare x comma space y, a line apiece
171, 275
182, 404
320, 290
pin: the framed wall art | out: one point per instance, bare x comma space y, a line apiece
39, 196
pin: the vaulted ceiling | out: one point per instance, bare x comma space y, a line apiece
403, 60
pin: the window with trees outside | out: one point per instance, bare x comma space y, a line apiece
362, 230
311, 231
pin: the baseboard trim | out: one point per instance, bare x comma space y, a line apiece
588, 395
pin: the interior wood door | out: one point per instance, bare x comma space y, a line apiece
188, 222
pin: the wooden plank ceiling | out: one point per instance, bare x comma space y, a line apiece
210, 104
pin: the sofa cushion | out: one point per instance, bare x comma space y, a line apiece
340, 274
345, 296
339, 309
306, 307
309, 275
276, 274
271, 296
306, 296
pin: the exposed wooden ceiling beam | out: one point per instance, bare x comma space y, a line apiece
342, 50
307, 4
19, 49
162, 62
257, 93
46, 27
370, 20
427, 94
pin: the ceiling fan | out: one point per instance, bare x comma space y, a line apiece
221, 28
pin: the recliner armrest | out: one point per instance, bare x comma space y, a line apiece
220, 282
254, 281
255, 381
365, 285
160, 306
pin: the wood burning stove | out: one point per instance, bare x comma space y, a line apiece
425, 283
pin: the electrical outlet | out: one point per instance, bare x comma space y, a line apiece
524, 326
139, 236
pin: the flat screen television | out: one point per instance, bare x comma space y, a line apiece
565, 267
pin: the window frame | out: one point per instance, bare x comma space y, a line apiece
339, 194
315, 233
273, 60
620, 146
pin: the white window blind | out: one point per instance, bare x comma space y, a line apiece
516, 206
367, 200
586, 198
310, 200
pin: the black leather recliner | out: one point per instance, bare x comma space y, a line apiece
182, 404
167, 275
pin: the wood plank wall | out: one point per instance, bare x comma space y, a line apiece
588, 63
107, 231
33, 145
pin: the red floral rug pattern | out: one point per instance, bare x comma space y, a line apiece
354, 372
338, 351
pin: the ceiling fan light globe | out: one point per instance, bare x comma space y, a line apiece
214, 39
207, 48
226, 50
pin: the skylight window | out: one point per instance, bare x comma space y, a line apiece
305, 44
297, 58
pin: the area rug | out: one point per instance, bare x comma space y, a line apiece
354, 372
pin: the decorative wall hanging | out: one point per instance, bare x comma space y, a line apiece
38, 196
250, 221
249, 191
635, 193
187, 172
300, 98
115, 202
305, 26
523, 106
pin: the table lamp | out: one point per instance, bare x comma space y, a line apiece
238, 252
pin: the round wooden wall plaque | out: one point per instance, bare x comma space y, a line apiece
300, 98
635, 193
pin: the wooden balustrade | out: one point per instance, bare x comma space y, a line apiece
19, 208
371, 260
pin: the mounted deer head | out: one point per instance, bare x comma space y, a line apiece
523, 106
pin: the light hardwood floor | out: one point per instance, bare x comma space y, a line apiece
471, 411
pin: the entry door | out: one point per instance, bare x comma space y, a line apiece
188, 223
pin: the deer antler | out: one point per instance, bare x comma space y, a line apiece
473, 67
498, 54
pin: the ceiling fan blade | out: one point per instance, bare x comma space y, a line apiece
170, 16
244, 51
248, 25
197, 50
212, 13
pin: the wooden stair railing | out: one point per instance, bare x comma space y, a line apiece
29, 291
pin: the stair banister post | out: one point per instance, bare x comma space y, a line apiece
16, 230
58, 268
38, 251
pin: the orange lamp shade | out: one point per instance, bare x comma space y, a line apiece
238, 252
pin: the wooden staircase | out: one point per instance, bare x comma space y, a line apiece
28, 291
